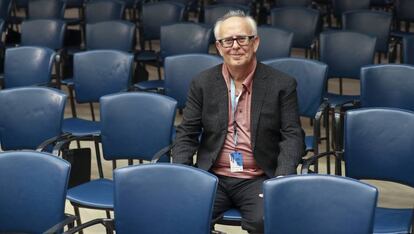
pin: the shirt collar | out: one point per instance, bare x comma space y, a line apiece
247, 83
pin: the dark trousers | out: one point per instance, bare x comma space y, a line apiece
242, 194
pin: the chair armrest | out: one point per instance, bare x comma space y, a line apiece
69, 220
307, 162
65, 142
159, 154
52, 140
108, 223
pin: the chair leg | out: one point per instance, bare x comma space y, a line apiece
98, 158
77, 214
108, 214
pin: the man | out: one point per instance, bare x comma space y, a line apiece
247, 116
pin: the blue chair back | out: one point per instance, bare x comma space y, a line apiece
154, 15
388, 85
103, 10
374, 23
74, 3
43, 32
345, 52
341, 6
100, 72
347, 205
378, 145
293, 3
213, 12
21, 4
310, 76
274, 43
180, 71
408, 50
29, 116
46, 9
120, 37
136, 125
5, 7
303, 22
28, 65
240, 2
403, 10
184, 38
34, 191
141, 205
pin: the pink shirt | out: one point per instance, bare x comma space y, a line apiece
242, 115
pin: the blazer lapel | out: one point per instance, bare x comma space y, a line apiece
258, 97
220, 94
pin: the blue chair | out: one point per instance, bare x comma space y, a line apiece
103, 10
121, 37
293, 3
140, 205
311, 83
303, 22
347, 205
387, 155
181, 69
5, 8
213, 12
46, 9
31, 201
133, 126
373, 23
345, 52
341, 6
29, 116
403, 12
96, 73
408, 50
178, 38
27, 66
153, 16
274, 43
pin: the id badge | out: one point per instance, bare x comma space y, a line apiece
236, 162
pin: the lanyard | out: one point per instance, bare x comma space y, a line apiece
234, 103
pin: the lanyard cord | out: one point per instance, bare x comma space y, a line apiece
234, 103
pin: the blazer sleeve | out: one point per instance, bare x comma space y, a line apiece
188, 132
291, 146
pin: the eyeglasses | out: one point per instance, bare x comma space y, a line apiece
241, 40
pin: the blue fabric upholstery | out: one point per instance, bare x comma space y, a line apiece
28, 65
141, 205
213, 12
378, 145
96, 194
33, 191
29, 116
274, 43
292, 206
120, 37
303, 22
43, 32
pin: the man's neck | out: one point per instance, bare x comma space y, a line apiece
240, 73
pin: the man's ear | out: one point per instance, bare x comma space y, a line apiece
256, 43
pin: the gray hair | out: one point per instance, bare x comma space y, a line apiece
235, 13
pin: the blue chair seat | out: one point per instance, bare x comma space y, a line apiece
336, 99
389, 220
309, 143
68, 82
146, 55
81, 127
96, 193
150, 85
232, 215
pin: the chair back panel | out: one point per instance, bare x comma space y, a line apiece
408, 50
345, 52
374, 23
274, 43
341, 6
29, 116
293, 3
184, 38
136, 125
5, 7
120, 37
389, 85
213, 12
46, 9
404, 10
43, 32
180, 71
101, 72
154, 15
303, 22
379, 144
141, 205
311, 80
103, 10
347, 205
33, 191
27, 65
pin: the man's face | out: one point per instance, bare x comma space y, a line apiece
237, 55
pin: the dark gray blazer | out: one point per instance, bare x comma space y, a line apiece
277, 138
